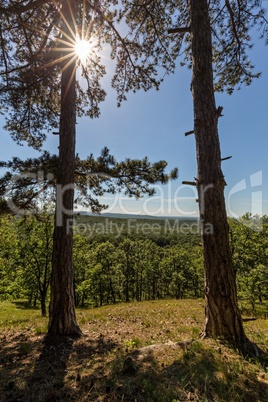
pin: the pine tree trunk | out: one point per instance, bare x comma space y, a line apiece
62, 318
222, 314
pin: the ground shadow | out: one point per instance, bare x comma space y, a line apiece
15, 364
197, 375
96, 368
39, 370
46, 382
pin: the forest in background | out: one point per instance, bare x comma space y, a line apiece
122, 260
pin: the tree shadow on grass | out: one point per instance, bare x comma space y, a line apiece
95, 368
207, 374
46, 383
40, 370
18, 351
198, 374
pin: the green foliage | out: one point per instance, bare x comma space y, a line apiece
249, 240
162, 231
132, 268
139, 266
10, 269
35, 233
25, 257
164, 265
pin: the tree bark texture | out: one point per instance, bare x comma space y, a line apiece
223, 318
62, 317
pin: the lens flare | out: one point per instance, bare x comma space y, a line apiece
82, 49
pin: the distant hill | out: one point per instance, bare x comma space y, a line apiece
160, 229
134, 216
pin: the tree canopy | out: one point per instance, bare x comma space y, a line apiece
26, 182
34, 48
165, 27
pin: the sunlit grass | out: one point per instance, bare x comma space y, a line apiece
162, 319
19, 315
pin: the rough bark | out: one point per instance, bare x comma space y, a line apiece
222, 314
62, 318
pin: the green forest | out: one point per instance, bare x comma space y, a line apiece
128, 259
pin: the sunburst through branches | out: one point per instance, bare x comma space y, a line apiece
82, 49
75, 42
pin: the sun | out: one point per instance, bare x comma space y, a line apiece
82, 49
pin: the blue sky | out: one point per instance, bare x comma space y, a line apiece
153, 124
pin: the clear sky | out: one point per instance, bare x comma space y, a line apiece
153, 124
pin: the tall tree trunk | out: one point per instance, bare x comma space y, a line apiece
62, 318
43, 304
222, 314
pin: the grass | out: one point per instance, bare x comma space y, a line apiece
114, 361
20, 314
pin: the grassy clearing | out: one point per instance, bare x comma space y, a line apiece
113, 362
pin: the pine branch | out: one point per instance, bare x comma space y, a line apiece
18, 8
228, 5
172, 31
